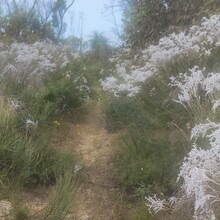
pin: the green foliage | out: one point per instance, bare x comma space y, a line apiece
99, 46
27, 161
28, 156
24, 25
201, 110
57, 95
123, 112
146, 21
20, 213
61, 198
78, 44
141, 213
154, 137
26, 21
23, 158
58, 11
155, 131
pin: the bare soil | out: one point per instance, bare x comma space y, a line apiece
97, 197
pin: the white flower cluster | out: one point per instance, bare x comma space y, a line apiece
216, 104
156, 204
198, 40
125, 81
77, 168
30, 124
194, 84
33, 60
16, 104
80, 81
200, 171
188, 84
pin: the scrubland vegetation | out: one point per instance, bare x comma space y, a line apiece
37, 88
159, 92
165, 104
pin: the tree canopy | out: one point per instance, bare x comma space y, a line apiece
148, 20
99, 45
27, 21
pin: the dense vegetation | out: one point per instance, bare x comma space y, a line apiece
162, 101
32, 102
29, 21
165, 104
146, 21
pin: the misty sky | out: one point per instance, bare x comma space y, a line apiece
90, 15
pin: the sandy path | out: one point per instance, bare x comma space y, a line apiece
96, 198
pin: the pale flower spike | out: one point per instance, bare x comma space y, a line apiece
200, 171
127, 77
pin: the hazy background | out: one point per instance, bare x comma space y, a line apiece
86, 16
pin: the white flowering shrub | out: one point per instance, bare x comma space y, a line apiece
32, 61
198, 91
200, 170
45, 77
191, 84
199, 175
199, 40
188, 85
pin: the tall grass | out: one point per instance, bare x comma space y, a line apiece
61, 198
151, 143
23, 159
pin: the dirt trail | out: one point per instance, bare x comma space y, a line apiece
96, 198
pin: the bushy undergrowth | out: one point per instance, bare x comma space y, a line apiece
128, 75
59, 93
40, 83
25, 150
170, 122
152, 140
25, 159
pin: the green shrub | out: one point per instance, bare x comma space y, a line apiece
62, 95
123, 112
55, 94
31, 163
155, 130
26, 160
20, 213
154, 137
141, 213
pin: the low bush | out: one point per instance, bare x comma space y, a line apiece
154, 138
23, 159
58, 95
123, 112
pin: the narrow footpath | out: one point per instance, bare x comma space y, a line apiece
97, 198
